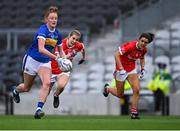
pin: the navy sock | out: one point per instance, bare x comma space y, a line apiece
15, 92
40, 106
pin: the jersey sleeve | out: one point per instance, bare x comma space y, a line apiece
80, 46
59, 43
125, 48
41, 33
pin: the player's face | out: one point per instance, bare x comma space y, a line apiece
52, 20
72, 40
143, 42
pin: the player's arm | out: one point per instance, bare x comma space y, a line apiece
142, 60
43, 50
83, 52
119, 73
41, 43
122, 50
118, 61
60, 46
142, 63
61, 52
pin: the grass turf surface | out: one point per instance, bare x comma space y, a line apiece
27, 122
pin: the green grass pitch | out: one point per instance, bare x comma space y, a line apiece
27, 122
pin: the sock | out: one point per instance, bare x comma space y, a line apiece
55, 95
15, 92
40, 106
134, 110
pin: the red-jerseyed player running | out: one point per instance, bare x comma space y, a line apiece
125, 59
71, 46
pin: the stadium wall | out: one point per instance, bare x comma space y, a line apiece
142, 19
70, 104
174, 103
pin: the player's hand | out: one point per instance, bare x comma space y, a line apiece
81, 61
121, 75
142, 73
73, 53
60, 61
121, 72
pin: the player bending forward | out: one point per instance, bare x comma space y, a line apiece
125, 59
71, 46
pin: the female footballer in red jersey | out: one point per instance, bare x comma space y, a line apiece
125, 59
71, 47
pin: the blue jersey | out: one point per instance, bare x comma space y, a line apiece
52, 38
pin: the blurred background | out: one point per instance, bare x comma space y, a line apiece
105, 25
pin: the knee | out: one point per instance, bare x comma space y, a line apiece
47, 85
120, 95
136, 91
26, 89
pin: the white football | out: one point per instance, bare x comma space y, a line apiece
66, 65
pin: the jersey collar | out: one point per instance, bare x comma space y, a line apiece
50, 29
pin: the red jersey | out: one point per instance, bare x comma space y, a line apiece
129, 54
68, 51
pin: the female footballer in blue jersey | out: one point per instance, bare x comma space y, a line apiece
37, 60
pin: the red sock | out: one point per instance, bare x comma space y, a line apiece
134, 110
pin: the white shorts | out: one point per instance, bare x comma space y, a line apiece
31, 66
120, 78
54, 77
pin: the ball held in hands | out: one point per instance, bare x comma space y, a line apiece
64, 64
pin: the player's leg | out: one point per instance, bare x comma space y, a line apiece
45, 76
23, 87
62, 81
28, 76
117, 91
53, 81
134, 82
